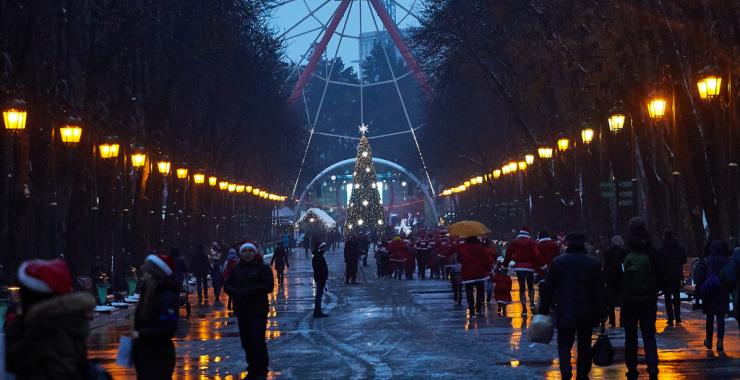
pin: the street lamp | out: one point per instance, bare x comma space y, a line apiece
223, 185
513, 166
108, 150
506, 169
239, 188
496, 173
563, 144
710, 84
212, 181
587, 135
138, 159
163, 166
15, 114
522, 165
529, 159
71, 132
199, 178
182, 172
232, 187
544, 152
616, 122
656, 107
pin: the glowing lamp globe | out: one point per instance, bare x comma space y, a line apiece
240, 188
223, 185
199, 178
563, 144
709, 86
544, 152
232, 187
15, 114
256, 191
529, 159
522, 165
182, 173
479, 179
616, 122
587, 135
212, 181
513, 166
656, 107
466, 184
496, 173
505, 170
163, 167
71, 132
108, 150
138, 159
248, 189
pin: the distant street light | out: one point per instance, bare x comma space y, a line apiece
108, 150
522, 165
163, 166
544, 152
656, 107
587, 135
212, 181
616, 122
223, 185
138, 159
71, 132
563, 144
496, 173
199, 178
182, 173
15, 114
710, 84
529, 158
232, 187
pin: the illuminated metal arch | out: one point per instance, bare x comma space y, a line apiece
380, 161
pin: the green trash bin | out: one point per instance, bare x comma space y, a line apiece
102, 293
131, 281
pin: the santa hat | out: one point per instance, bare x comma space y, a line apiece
48, 277
162, 262
524, 230
246, 246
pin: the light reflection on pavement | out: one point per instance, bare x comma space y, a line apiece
401, 329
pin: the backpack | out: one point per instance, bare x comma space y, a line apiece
711, 280
637, 279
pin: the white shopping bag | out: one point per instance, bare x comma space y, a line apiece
125, 351
541, 329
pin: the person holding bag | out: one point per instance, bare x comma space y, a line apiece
715, 297
155, 320
574, 287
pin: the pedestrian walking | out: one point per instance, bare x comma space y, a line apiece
229, 262
217, 277
280, 261
639, 294
549, 249
155, 320
49, 339
715, 297
306, 244
672, 257
249, 282
320, 276
526, 256
476, 268
574, 288
455, 270
422, 253
351, 259
612, 268
398, 255
200, 265
501, 288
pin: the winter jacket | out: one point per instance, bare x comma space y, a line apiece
502, 288
352, 251
200, 263
249, 285
523, 251
549, 249
280, 259
716, 302
157, 322
641, 242
574, 287
476, 262
49, 341
399, 250
612, 268
320, 269
672, 257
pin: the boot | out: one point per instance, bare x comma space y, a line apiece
720, 345
708, 343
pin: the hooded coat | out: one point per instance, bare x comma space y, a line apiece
49, 340
476, 262
672, 257
718, 301
525, 254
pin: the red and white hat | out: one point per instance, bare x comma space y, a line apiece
162, 262
46, 276
524, 231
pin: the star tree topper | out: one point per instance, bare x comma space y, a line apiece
363, 128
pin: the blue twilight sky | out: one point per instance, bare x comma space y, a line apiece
299, 35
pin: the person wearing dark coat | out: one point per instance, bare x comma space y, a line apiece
49, 339
612, 267
672, 257
200, 265
249, 283
640, 310
574, 288
351, 259
715, 304
320, 276
155, 320
280, 261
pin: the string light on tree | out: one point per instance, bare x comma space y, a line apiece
365, 203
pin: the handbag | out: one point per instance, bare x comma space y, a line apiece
125, 351
602, 351
541, 329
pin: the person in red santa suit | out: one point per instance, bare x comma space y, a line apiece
549, 248
476, 269
398, 255
524, 253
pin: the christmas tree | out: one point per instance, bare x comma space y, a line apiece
365, 212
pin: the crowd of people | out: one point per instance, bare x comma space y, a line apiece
579, 284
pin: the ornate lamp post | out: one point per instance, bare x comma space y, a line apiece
108, 149
587, 135
71, 131
15, 114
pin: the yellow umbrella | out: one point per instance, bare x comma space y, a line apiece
468, 228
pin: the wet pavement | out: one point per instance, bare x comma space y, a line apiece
384, 328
